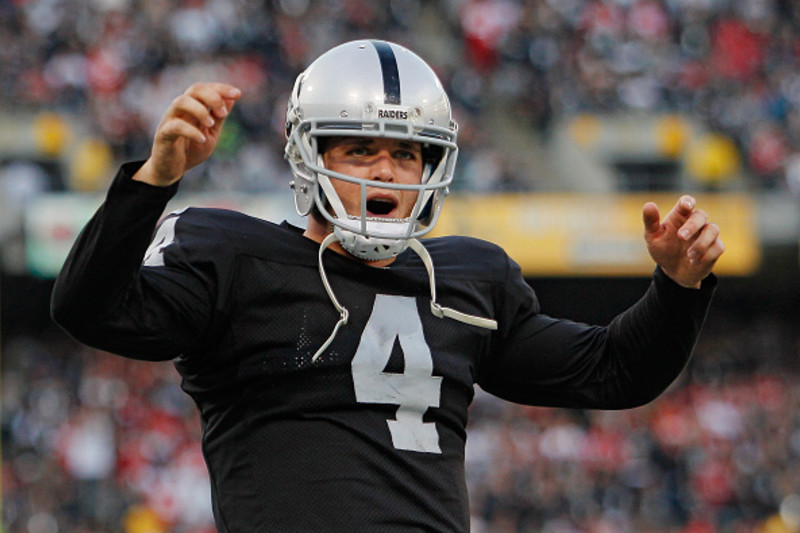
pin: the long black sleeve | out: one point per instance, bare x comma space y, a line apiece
547, 361
655, 337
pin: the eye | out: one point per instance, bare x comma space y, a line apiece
357, 150
406, 154
360, 150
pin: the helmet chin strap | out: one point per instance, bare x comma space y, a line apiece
343, 313
441, 311
437, 310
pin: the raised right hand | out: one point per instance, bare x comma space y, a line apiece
188, 132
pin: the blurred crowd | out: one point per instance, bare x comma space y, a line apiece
94, 443
731, 64
97, 443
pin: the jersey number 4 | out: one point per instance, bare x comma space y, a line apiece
395, 318
165, 235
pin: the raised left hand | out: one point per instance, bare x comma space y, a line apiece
685, 245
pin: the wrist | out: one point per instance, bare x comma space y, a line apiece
147, 174
683, 281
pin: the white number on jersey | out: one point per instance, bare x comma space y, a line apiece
154, 256
416, 389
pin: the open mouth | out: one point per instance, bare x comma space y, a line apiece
380, 207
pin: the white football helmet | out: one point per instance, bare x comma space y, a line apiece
370, 88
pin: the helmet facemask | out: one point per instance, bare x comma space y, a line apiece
425, 120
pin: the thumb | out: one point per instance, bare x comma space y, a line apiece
651, 218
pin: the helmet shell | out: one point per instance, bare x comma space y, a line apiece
356, 80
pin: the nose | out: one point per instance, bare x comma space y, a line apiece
383, 167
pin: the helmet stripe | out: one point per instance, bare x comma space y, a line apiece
391, 77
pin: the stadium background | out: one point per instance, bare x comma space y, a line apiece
572, 112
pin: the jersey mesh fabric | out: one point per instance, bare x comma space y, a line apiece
303, 445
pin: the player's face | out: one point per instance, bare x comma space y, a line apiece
375, 159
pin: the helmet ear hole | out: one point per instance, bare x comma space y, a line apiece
432, 155
322, 144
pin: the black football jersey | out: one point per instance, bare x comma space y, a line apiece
371, 435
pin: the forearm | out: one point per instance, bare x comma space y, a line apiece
654, 339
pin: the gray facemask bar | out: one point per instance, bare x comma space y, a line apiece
431, 135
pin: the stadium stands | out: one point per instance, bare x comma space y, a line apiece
713, 91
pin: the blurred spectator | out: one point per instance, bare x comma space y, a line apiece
768, 152
119, 62
485, 25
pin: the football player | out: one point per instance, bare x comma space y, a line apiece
333, 366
